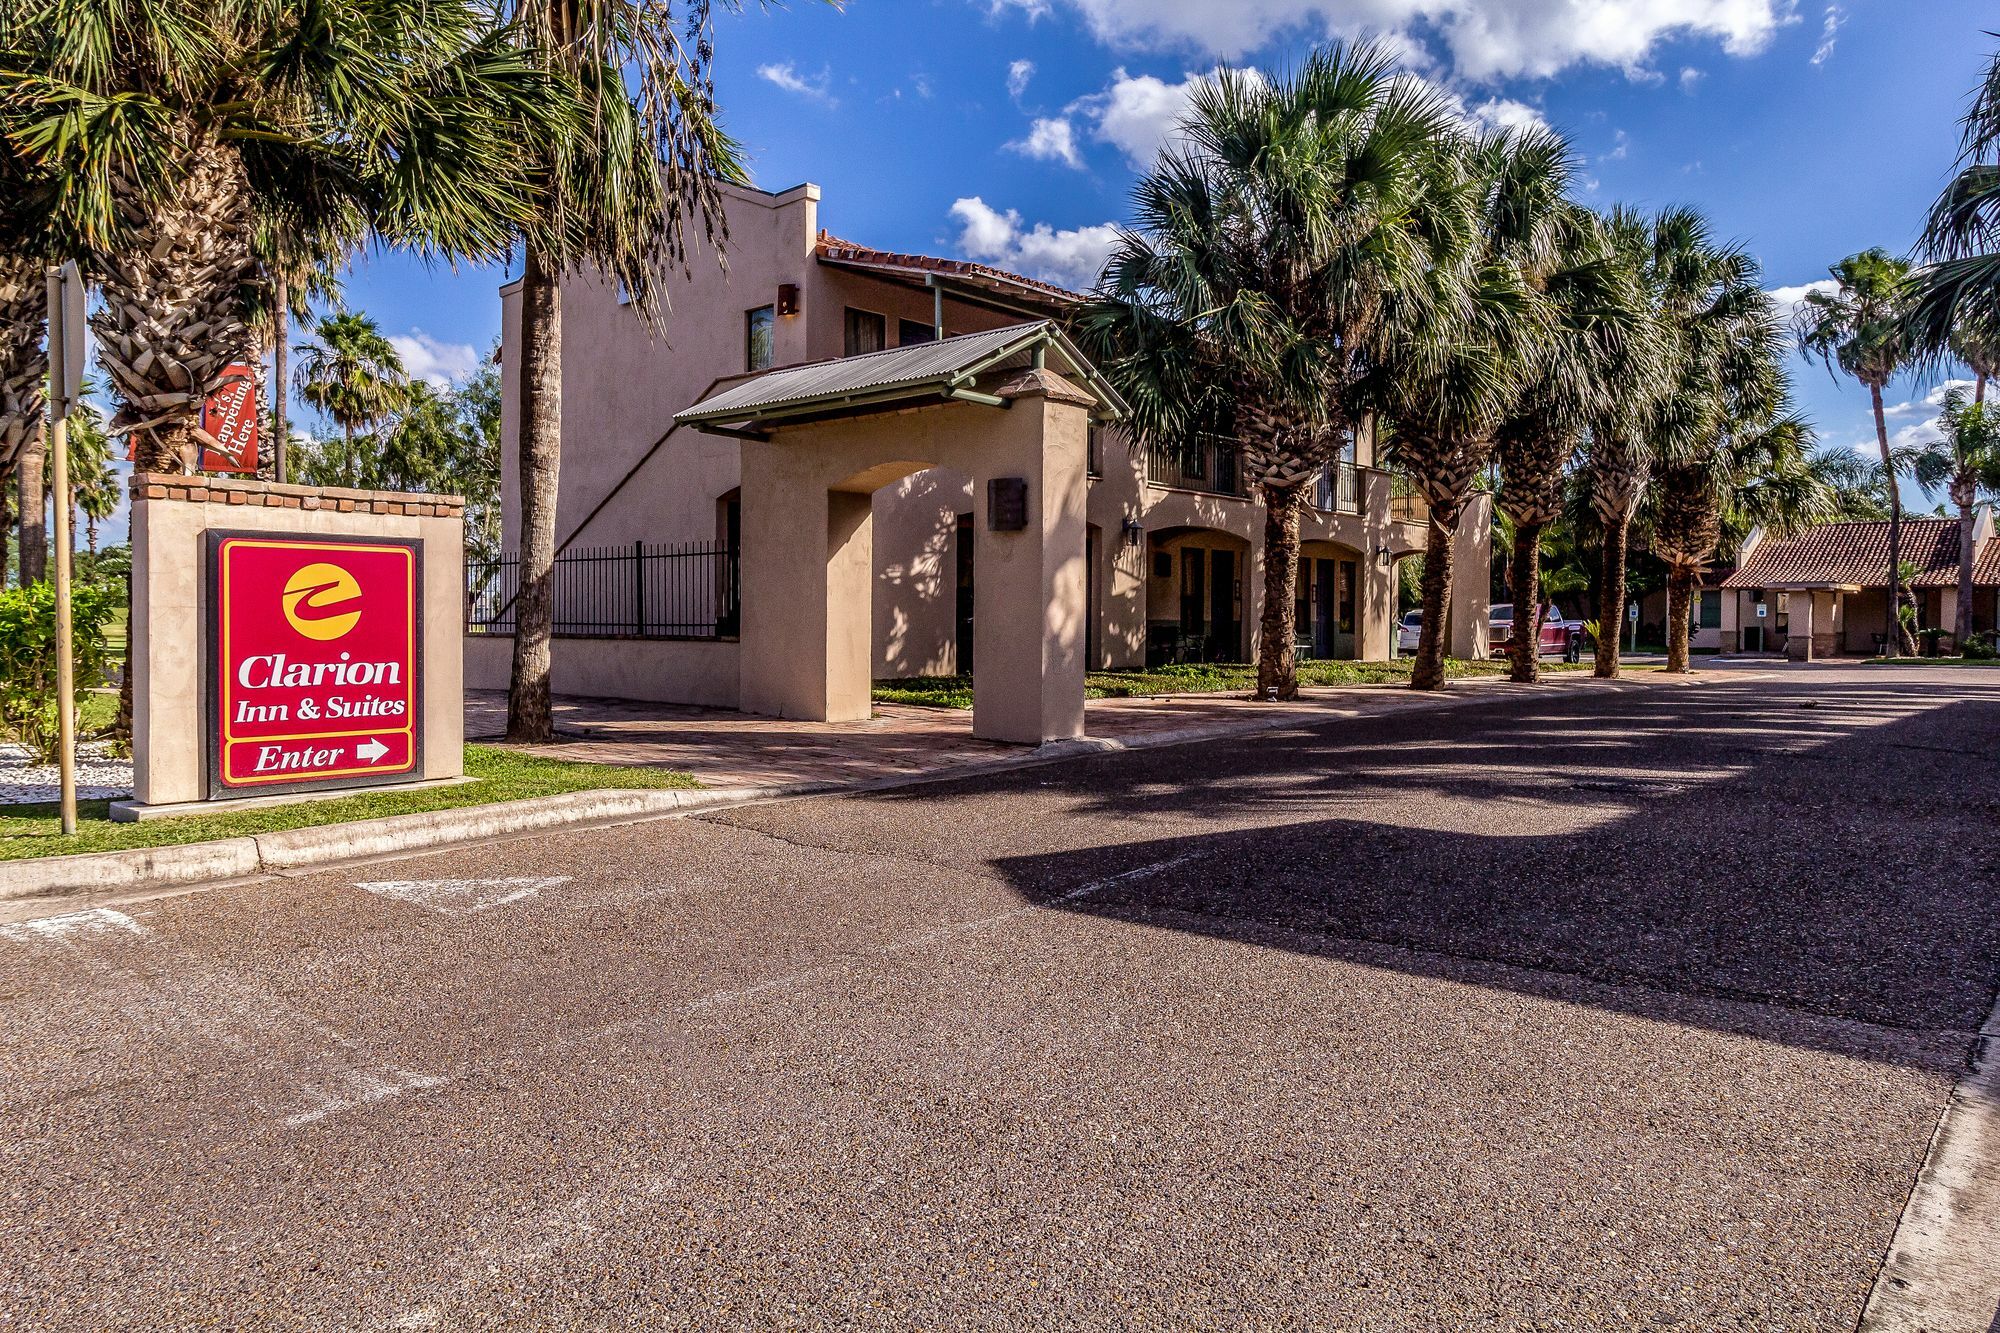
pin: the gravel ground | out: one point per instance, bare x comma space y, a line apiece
1627, 1009
98, 776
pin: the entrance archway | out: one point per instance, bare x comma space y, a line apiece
1196, 589
1329, 601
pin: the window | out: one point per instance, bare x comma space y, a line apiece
758, 325
914, 331
865, 332
1710, 615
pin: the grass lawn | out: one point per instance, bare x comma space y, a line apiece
31, 830
1192, 678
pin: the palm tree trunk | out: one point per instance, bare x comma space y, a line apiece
530, 714
1680, 592
1892, 641
1611, 600
1277, 653
90, 534
1525, 647
6, 516
1428, 672
281, 424
30, 473
1961, 619
1978, 387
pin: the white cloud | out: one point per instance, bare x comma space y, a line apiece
1050, 139
1503, 113
1691, 79
426, 358
1483, 40
1829, 29
1789, 299
1069, 258
1138, 114
1621, 144
786, 76
1018, 75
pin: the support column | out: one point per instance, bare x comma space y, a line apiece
1466, 626
1029, 596
1799, 632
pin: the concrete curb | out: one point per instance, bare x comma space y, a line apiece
293, 850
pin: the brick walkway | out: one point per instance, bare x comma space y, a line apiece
729, 749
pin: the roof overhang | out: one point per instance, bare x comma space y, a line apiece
922, 373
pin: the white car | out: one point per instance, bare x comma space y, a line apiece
1408, 632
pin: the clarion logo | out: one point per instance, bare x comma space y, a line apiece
274, 671
321, 601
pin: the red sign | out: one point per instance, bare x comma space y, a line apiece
229, 423
314, 663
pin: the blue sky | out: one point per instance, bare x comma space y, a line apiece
1011, 130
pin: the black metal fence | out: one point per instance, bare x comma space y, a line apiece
680, 590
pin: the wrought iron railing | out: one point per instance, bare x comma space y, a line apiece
1338, 489
1406, 502
685, 590
1209, 463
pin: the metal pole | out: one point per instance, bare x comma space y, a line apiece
59, 406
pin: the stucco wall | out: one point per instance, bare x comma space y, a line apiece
688, 671
170, 516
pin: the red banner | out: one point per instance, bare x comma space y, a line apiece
314, 662
229, 420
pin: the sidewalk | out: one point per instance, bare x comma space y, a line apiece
729, 749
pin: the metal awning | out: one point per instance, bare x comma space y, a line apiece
946, 369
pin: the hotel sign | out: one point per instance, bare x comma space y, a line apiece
314, 662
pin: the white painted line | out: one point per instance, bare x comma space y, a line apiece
462, 897
359, 1087
1942, 1274
70, 926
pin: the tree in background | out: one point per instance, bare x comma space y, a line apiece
24, 365
1275, 242
354, 375
1863, 328
1964, 462
616, 202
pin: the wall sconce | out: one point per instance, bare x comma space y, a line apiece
1382, 556
1135, 532
788, 298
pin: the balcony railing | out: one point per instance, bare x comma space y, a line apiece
1209, 464
1406, 502
1338, 489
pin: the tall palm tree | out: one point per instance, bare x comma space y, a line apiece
1958, 288
23, 359
1863, 328
298, 264
1597, 310
1964, 461
619, 202
153, 131
1275, 245
1446, 384
353, 374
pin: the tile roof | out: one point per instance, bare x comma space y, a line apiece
1856, 554
848, 253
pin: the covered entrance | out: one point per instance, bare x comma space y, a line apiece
1009, 408
1328, 602
1195, 596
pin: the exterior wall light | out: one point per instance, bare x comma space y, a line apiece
1382, 556
1135, 532
788, 298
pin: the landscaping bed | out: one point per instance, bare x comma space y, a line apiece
502, 775
1193, 678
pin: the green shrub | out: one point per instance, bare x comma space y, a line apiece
28, 657
1980, 648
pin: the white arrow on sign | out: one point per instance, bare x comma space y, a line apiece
371, 749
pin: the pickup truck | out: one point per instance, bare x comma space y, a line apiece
1560, 636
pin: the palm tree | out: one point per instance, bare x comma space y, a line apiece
353, 374
1964, 461
1597, 311
620, 202
1863, 328
1273, 248
93, 481
1958, 289
1446, 385
154, 131
23, 360
298, 265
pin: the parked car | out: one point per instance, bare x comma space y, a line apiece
1560, 636
1408, 632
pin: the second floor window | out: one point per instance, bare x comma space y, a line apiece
914, 331
865, 332
758, 325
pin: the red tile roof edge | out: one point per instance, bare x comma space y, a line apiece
833, 247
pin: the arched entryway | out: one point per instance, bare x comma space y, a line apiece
1329, 601
1196, 602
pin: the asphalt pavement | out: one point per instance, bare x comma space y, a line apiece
1636, 1007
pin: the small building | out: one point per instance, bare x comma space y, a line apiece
1824, 591
651, 508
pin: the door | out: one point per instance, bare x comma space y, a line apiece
1194, 602
965, 594
1322, 620
1225, 634
1344, 647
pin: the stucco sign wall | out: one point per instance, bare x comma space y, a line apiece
314, 660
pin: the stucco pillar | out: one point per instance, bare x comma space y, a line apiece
1799, 631
1375, 609
806, 570
1465, 625
1030, 593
